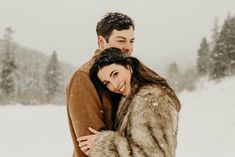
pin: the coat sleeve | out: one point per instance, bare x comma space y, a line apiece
84, 108
152, 131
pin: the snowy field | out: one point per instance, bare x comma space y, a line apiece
206, 128
207, 121
34, 131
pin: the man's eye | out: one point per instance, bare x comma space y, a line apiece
132, 41
121, 41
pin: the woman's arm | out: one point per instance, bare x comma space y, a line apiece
151, 131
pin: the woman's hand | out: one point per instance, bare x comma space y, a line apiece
86, 142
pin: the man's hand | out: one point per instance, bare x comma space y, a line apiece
86, 142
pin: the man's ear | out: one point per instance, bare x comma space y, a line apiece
101, 42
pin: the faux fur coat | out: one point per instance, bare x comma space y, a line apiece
146, 126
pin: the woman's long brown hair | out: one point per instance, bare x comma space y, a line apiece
141, 75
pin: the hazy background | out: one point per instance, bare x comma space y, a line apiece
165, 30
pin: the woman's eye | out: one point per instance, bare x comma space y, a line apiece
115, 74
121, 41
106, 84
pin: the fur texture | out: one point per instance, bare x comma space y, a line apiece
146, 126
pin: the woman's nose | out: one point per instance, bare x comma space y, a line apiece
115, 85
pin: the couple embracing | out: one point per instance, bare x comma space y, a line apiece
116, 105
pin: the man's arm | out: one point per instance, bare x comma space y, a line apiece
84, 107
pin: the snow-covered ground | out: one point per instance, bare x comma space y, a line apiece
34, 131
207, 120
206, 126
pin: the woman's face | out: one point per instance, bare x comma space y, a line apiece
117, 78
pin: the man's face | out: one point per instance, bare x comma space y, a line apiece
123, 40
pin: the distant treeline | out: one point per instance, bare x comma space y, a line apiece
30, 77
216, 58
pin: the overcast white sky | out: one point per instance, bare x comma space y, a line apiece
165, 30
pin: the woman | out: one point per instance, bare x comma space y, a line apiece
147, 116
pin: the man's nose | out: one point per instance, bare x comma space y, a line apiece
128, 47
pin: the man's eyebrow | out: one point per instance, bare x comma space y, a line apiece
121, 37
124, 37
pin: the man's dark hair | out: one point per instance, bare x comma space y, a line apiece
112, 21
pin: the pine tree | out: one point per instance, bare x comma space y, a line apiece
53, 77
174, 77
203, 57
223, 54
190, 77
231, 47
215, 32
7, 83
214, 38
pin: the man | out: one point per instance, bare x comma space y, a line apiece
86, 107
